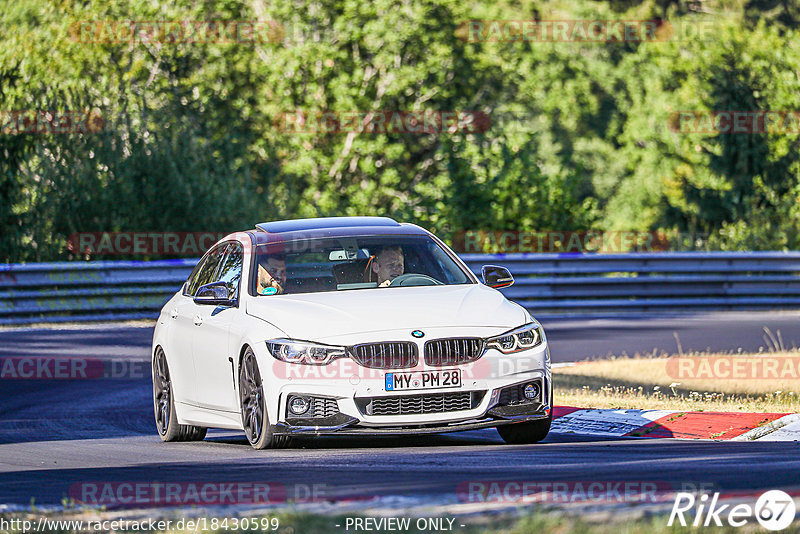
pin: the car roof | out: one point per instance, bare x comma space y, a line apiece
298, 225
291, 230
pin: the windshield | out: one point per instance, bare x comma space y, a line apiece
353, 262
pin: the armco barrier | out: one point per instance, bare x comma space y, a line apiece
546, 284
88, 291
614, 284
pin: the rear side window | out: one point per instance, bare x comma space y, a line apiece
204, 272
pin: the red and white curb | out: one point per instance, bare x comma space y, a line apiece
676, 424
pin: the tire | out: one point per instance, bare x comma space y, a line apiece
255, 419
164, 405
525, 433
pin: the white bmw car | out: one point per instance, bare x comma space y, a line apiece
346, 325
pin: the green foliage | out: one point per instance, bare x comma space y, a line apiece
579, 138
784, 13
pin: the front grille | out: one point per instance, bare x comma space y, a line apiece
389, 355
453, 351
420, 404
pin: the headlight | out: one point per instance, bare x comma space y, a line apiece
522, 338
303, 352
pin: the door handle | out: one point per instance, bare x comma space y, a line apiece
174, 313
198, 320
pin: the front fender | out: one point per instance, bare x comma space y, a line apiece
254, 333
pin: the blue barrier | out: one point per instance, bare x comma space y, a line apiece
546, 284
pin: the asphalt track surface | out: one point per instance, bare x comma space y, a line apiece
57, 436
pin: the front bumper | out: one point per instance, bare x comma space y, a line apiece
493, 410
362, 404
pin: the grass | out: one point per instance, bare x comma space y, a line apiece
764, 382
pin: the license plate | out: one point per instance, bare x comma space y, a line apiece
423, 380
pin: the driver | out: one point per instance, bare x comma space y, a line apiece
388, 265
271, 274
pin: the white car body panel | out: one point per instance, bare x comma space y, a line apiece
375, 310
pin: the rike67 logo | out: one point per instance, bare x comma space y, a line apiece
774, 510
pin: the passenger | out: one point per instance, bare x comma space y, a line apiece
388, 264
271, 274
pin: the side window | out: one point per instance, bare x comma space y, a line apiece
190, 282
206, 271
231, 270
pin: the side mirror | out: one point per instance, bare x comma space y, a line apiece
496, 276
214, 294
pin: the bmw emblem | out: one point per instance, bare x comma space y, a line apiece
418, 333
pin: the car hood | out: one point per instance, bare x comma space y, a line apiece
315, 316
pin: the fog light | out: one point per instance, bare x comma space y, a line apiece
298, 405
531, 391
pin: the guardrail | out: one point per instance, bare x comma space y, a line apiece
546, 284
613, 284
88, 291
